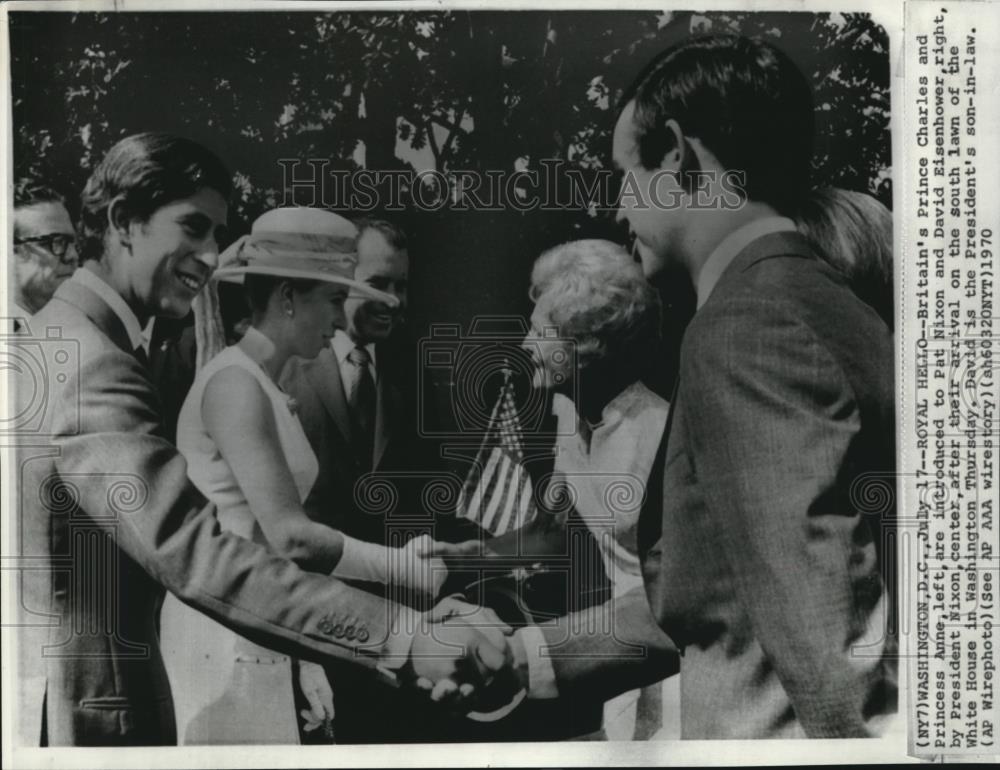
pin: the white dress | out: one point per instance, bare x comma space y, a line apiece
226, 689
607, 472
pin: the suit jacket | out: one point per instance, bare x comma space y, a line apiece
402, 460
107, 520
767, 570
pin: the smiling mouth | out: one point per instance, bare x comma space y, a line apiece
190, 282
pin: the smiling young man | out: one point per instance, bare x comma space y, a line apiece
108, 519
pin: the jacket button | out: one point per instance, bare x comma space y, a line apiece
325, 626
338, 630
349, 632
362, 635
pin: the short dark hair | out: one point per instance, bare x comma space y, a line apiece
148, 170
744, 99
392, 233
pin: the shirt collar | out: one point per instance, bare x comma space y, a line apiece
628, 400
342, 345
731, 246
113, 300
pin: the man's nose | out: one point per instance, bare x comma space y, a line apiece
208, 254
72, 256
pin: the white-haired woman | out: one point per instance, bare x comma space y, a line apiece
595, 330
248, 453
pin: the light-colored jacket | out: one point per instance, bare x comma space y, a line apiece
106, 521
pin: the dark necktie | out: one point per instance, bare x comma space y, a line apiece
361, 398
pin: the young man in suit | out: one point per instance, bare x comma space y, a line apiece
106, 519
760, 564
764, 569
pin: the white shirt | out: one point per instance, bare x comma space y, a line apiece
342, 345
731, 246
114, 300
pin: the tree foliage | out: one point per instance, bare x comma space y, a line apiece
447, 90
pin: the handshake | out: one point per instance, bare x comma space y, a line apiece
466, 659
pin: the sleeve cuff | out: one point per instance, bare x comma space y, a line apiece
403, 629
541, 675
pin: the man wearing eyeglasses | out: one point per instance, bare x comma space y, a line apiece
44, 249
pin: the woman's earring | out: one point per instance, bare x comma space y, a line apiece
289, 312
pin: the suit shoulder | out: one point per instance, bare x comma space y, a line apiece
64, 330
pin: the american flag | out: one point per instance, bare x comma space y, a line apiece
497, 493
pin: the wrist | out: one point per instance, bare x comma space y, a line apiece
362, 561
395, 653
532, 664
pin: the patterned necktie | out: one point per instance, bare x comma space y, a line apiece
361, 398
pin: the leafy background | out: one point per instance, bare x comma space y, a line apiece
397, 90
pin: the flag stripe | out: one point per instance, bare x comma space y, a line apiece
497, 499
498, 492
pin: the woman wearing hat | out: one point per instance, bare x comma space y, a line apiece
248, 453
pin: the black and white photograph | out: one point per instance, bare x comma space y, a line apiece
450, 374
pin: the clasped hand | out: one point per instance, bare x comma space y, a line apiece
419, 565
461, 656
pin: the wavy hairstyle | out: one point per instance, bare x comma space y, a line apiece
853, 232
596, 294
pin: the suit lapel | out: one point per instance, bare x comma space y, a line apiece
325, 377
97, 310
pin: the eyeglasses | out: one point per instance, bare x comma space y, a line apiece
57, 244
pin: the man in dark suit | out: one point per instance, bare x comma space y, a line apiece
106, 519
764, 569
357, 403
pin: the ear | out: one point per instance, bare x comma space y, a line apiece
119, 220
676, 157
285, 295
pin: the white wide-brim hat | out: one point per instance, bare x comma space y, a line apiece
299, 243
